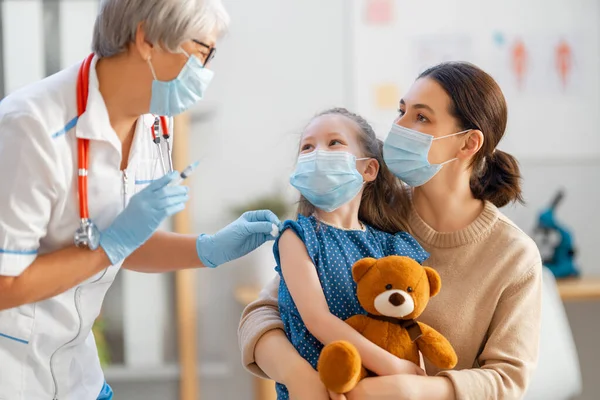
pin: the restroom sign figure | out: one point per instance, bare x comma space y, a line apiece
564, 62
519, 61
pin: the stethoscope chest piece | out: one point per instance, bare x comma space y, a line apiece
87, 235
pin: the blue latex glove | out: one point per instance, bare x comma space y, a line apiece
237, 239
142, 216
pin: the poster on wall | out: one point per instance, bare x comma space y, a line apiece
432, 49
561, 68
379, 12
548, 64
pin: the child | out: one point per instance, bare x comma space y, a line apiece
348, 210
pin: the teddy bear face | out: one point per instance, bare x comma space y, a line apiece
395, 286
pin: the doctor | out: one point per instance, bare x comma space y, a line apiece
85, 185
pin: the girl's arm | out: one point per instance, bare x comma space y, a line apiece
267, 352
278, 358
304, 285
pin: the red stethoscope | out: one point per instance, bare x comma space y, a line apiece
87, 235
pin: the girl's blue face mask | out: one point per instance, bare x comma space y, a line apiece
327, 179
178, 95
406, 151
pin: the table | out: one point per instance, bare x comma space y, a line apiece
583, 288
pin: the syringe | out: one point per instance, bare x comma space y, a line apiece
184, 174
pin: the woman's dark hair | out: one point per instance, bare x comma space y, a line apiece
385, 202
478, 103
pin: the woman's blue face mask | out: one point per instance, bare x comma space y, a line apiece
173, 97
406, 151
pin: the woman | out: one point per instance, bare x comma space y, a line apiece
443, 144
149, 58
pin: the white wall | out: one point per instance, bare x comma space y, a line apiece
542, 122
23, 37
77, 20
22, 33
280, 64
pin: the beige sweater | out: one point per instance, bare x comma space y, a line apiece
488, 307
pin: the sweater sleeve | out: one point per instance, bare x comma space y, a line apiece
259, 317
510, 354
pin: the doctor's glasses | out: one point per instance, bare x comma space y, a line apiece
206, 57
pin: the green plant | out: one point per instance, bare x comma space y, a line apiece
101, 344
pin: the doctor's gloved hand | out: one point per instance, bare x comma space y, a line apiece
239, 238
142, 217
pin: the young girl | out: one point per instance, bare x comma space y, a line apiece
348, 210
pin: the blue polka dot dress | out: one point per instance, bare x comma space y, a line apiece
333, 252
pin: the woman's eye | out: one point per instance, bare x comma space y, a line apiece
306, 147
400, 112
422, 118
335, 142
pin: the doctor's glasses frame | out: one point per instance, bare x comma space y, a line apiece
211, 51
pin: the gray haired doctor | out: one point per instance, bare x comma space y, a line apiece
91, 180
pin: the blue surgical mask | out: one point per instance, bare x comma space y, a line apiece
406, 151
327, 179
178, 95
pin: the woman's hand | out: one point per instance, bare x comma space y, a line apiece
393, 387
403, 387
398, 366
239, 238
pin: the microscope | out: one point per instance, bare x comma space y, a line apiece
560, 259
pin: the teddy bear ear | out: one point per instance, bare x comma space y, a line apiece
435, 282
361, 267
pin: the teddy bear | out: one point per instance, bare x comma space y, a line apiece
393, 290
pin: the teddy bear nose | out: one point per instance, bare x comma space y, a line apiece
396, 299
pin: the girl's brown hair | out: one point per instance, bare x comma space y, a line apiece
478, 103
385, 202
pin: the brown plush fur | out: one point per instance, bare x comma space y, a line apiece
340, 366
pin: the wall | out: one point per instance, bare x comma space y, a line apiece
24, 38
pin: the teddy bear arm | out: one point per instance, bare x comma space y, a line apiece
358, 322
436, 348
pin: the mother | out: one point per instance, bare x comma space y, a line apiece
443, 144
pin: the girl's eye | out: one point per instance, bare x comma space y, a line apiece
400, 112
306, 147
422, 118
335, 142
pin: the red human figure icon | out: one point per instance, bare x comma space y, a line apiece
519, 61
564, 61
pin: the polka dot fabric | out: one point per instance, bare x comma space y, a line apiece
333, 252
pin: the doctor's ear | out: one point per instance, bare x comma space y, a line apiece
473, 143
371, 169
143, 47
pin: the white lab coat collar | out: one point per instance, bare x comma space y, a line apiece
94, 123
